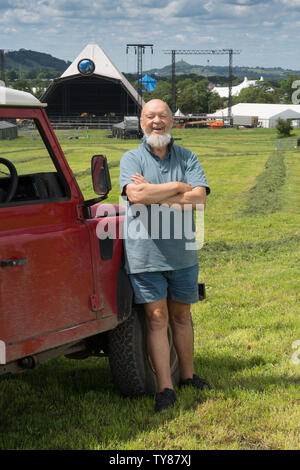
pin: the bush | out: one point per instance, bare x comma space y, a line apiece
284, 127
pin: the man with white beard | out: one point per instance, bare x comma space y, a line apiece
163, 272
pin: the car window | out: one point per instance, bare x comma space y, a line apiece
23, 149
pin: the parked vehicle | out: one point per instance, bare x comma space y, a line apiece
127, 129
245, 121
210, 123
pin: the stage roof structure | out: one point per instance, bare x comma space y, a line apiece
92, 85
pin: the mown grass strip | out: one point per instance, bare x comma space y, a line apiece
263, 197
222, 252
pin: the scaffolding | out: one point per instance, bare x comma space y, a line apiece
230, 52
2, 67
139, 50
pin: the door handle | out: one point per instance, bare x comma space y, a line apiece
13, 262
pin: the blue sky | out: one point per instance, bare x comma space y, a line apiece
265, 31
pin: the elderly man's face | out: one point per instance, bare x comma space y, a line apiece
156, 118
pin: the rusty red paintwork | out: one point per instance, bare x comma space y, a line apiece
54, 297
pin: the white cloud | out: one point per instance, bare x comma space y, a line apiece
62, 27
291, 3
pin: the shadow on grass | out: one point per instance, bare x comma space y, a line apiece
74, 404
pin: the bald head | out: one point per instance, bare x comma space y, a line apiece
155, 105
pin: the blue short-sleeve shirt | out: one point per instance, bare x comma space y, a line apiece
155, 237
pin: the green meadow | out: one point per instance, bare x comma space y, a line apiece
247, 330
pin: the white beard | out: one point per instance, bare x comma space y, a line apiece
157, 141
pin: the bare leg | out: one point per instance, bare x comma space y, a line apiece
158, 343
180, 320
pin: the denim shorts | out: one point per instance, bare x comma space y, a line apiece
180, 285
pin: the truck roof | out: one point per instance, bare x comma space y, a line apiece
11, 97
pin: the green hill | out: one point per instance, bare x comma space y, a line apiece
184, 68
29, 60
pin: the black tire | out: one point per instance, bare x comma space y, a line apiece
130, 364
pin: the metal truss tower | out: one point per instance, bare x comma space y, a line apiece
2, 66
139, 50
230, 52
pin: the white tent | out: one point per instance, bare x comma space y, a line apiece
267, 114
179, 113
235, 91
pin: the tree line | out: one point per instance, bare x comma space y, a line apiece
194, 93
196, 96
33, 81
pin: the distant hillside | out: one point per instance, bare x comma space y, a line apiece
28, 60
184, 68
31, 60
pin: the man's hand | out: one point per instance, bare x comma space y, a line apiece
187, 200
143, 192
182, 187
138, 179
147, 193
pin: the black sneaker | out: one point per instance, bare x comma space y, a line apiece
195, 382
164, 400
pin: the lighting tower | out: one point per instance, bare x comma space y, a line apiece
139, 49
230, 52
2, 67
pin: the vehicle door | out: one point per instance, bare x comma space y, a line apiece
46, 274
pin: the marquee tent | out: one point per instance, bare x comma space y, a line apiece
148, 82
223, 91
8, 130
179, 113
267, 114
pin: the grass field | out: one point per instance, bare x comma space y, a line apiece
246, 331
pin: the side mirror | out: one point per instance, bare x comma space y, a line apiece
100, 174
